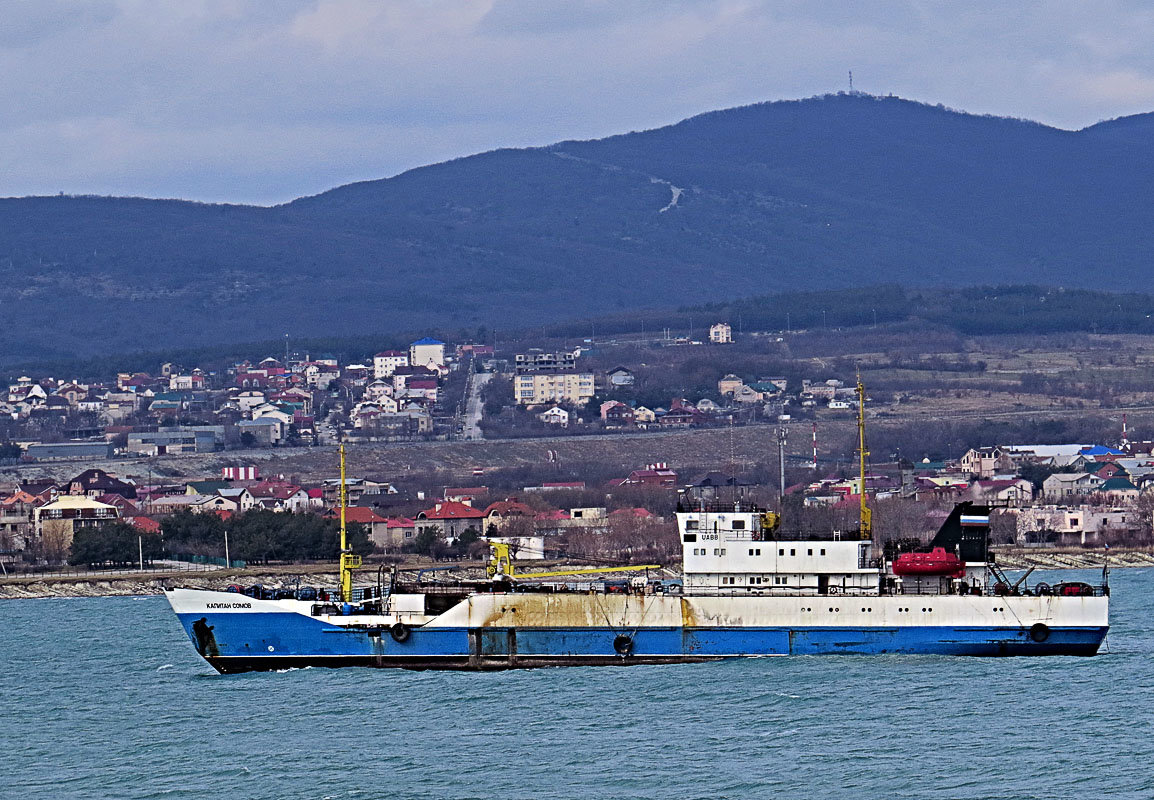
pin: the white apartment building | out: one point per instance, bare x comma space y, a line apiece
427, 352
566, 387
387, 362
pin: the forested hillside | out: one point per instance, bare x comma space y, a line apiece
837, 191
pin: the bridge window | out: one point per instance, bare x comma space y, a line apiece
692, 524
739, 524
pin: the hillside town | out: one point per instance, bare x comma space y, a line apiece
431, 390
1043, 496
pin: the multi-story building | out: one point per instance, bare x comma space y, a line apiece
1079, 525
386, 363
985, 462
16, 523
57, 522
721, 333
540, 361
538, 388
427, 353
201, 439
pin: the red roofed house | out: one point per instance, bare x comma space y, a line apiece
376, 526
95, 482
653, 475
617, 414
16, 521
1011, 491
316, 498
280, 496
450, 519
549, 485
126, 506
422, 387
146, 524
631, 513
499, 514
401, 531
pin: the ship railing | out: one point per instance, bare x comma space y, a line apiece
779, 591
719, 507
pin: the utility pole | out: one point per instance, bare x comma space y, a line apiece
140, 549
227, 561
865, 514
815, 445
782, 434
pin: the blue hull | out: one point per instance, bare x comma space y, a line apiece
245, 642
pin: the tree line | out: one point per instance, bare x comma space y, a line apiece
257, 537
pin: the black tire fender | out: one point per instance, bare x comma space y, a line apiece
400, 632
623, 644
1039, 632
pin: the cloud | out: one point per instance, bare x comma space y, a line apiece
1118, 87
246, 100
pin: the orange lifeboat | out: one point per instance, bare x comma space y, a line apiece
936, 562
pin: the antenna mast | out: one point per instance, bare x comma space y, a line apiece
815, 445
865, 516
782, 433
851, 81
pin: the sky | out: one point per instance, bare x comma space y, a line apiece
261, 101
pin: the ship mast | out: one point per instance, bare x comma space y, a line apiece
865, 516
349, 562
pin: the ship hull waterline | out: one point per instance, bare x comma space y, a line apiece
265, 637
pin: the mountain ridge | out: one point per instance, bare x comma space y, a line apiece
838, 190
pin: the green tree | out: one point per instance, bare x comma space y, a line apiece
426, 542
114, 544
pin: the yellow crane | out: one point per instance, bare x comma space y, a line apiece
501, 563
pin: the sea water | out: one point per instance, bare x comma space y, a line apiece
105, 697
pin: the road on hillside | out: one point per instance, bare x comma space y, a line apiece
473, 406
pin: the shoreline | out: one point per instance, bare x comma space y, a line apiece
32, 587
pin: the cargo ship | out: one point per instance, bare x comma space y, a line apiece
748, 588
